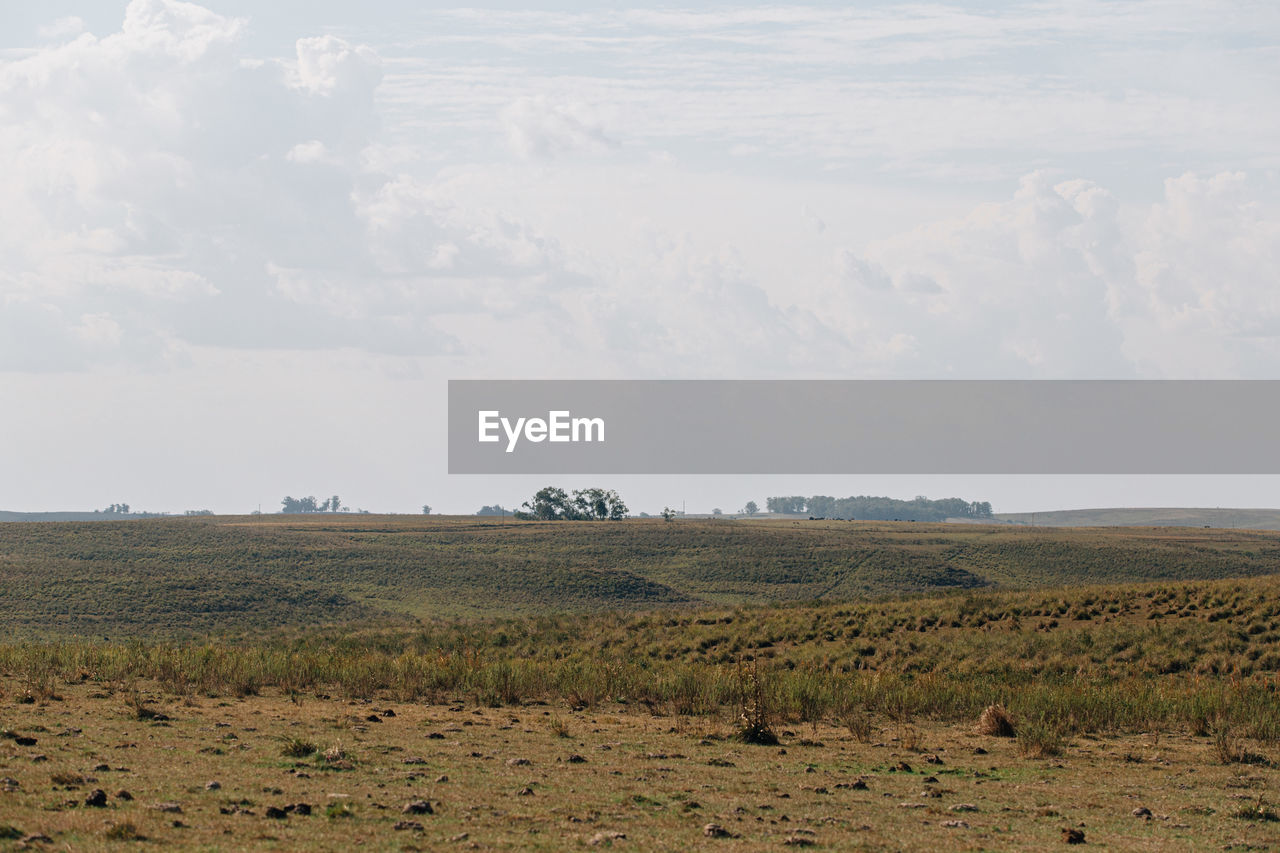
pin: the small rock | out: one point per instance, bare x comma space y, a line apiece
414, 760
8, 785
715, 830
303, 809
900, 767
518, 762
461, 836
964, 807
388, 713
21, 740
122, 794
525, 792
979, 751
910, 805
37, 839
417, 807
212, 786
373, 718
859, 785
1072, 836
276, 813
799, 841
38, 758
955, 824
412, 825
168, 808
440, 780
576, 759
102, 768
1142, 811
97, 799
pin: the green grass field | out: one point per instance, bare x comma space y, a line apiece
245, 575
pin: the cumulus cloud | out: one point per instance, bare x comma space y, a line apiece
328, 65
167, 189
1062, 280
536, 126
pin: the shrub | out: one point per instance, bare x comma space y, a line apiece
1257, 811
123, 832
756, 717
859, 725
995, 722
1039, 739
298, 748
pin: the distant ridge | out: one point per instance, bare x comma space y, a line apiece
1246, 519
6, 515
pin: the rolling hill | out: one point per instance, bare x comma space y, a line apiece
236, 575
1226, 517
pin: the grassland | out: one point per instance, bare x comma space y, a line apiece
567, 731
1244, 519
247, 575
1140, 670
228, 773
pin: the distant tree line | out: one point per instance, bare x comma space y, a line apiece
496, 509
554, 504
879, 508
310, 504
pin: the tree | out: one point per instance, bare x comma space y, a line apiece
792, 505
552, 503
668, 513
751, 508
292, 505
496, 509
598, 504
426, 509
717, 511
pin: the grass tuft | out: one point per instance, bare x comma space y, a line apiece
995, 722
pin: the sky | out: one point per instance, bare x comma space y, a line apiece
243, 246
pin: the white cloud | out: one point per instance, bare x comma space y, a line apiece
171, 189
311, 152
538, 127
63, 28
327, 65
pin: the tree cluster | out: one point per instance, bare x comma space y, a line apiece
879, 508
310, 504
554, 504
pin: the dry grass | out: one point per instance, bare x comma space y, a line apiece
995, 722
494, 775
